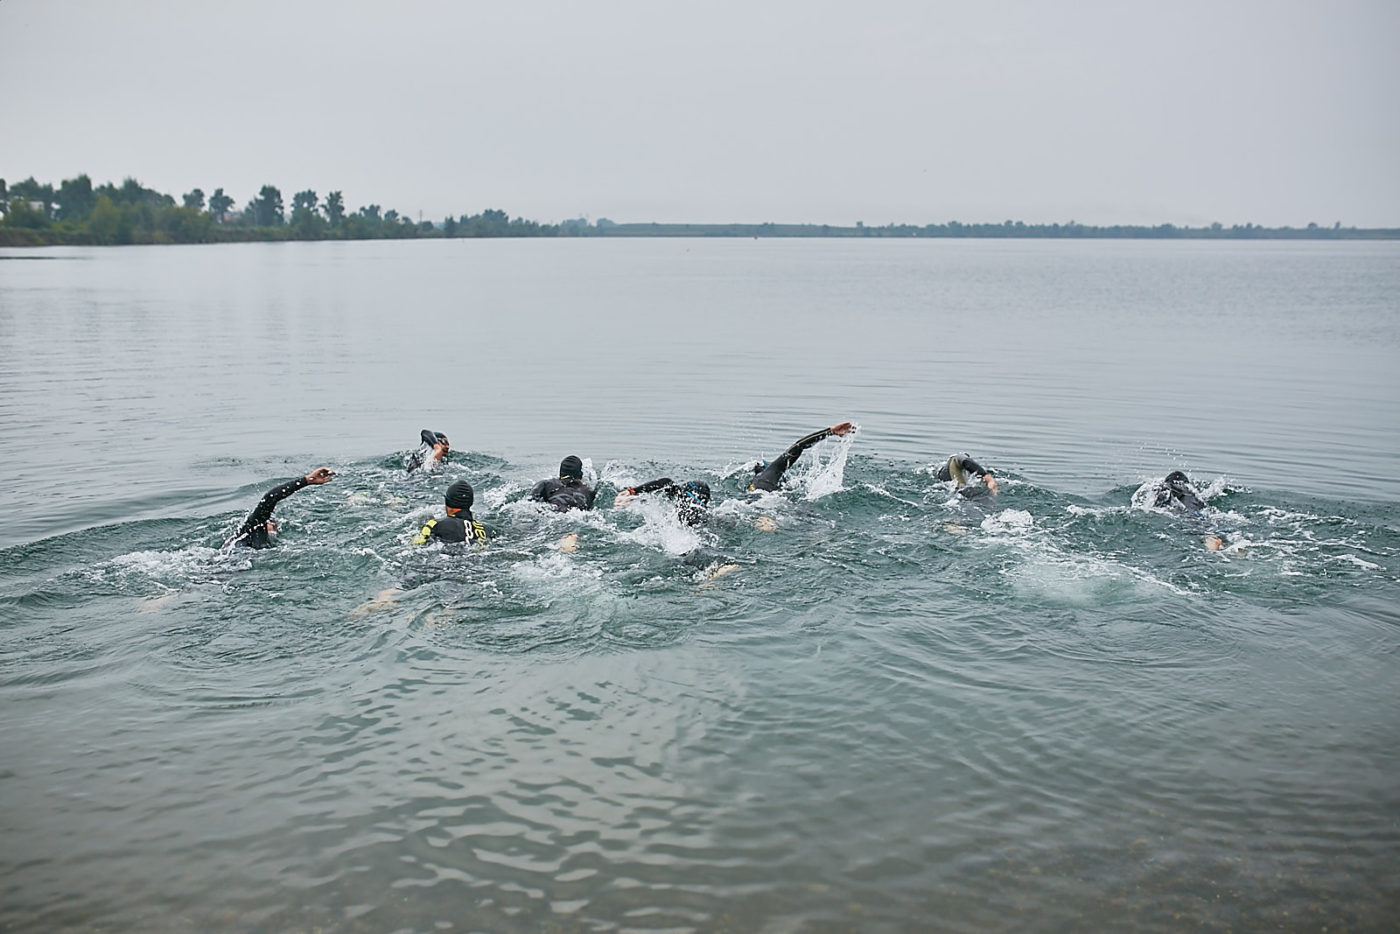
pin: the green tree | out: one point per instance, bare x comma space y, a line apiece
195, 199
105, 219
335, 209
133, 192
76, 199
23, 213
267, 209
219, 203
305, 202
31, 190
306, 222
182, 225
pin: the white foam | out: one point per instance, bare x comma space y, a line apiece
825, 475
1095, 512
184, 565
662, 528
1359, 562
1010, 522
881, 491
555, 566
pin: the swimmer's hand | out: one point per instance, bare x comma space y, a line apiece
991, 483
842, 429
320, 475
624, 497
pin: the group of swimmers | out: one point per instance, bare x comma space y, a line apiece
691, 499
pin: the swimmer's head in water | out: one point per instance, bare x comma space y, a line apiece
460, 495
758, 467
571, 467
697, 491
1181, 489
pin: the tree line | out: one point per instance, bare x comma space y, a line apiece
77, 212
1004, 230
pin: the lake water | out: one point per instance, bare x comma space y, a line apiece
902, 711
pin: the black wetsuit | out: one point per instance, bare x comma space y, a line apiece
689, 507
968, 491
564, 493
420, 457
971, 466
771, 474
1177, 496
458, 528
253, 531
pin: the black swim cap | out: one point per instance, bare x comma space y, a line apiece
460, 495
1177, 476
571, 466
700, 490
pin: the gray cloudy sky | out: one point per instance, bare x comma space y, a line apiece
1266, 111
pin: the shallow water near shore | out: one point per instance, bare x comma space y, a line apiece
898, 710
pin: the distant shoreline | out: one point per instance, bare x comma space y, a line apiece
77, 213
1008, 230
27, 237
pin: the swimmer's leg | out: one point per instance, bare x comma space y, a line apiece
382, 600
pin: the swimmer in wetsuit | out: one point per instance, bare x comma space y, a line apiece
568, 491
458, 525
692, 498
769, 475
434, 449
1176, 493
259, 530
957, 469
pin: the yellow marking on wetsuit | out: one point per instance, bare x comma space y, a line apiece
479, 532
422, 537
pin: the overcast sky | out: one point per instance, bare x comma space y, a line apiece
1266, 111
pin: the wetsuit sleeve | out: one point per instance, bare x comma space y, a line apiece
538, 491
794, 452
591, 496
769, 477
425, 533
263, 510
971, 466
660, 484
